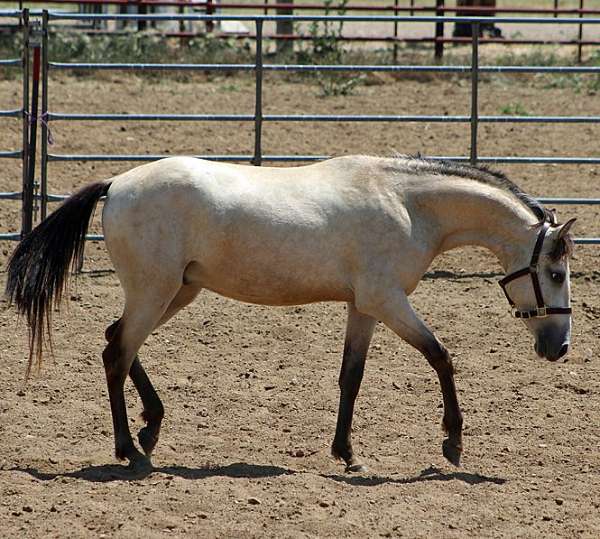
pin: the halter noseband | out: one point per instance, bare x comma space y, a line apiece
541, 311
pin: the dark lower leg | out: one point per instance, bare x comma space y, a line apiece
452, 421
351, 376
359, 331
153, 409
115, 378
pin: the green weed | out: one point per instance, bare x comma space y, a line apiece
514, 109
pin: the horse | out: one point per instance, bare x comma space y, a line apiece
357, 229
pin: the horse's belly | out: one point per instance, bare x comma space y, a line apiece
264, 286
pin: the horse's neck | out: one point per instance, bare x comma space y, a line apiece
472, 213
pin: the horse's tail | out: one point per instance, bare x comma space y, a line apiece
38, 270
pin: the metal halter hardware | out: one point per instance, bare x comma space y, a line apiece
541, 311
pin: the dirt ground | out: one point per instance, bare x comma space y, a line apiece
251, 392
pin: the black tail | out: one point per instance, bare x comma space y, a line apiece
38, 270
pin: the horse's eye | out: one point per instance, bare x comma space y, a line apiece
557, 277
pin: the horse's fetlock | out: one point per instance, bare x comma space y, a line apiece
120, 452
341, 451
155, 415
148, 439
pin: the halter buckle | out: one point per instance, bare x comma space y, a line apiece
541, 312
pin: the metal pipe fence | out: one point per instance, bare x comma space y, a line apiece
395, 8
438, 8
259, 118
21, 114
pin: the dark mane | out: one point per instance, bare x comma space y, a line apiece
479, 173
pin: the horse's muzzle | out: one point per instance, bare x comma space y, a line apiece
549, 352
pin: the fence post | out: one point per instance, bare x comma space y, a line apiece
28, 192
258, 101
439, 29
44, 117
27, 188
580, 34
474, 91
396, 29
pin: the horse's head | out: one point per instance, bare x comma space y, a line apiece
540, 292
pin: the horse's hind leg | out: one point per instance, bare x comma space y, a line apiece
153, 410
359, 330
143, 311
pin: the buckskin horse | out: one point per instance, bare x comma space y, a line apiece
360, 230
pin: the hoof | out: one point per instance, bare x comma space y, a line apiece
139, 465
452, 452
356, 468
147, 440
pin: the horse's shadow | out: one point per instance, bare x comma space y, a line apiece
114, 472
428, 474
109, 472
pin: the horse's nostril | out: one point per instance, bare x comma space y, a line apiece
564, 349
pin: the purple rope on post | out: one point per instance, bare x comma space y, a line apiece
44, 121
32, 119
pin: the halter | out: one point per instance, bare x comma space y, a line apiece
541, 311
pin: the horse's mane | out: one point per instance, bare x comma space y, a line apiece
488, 176
478, 173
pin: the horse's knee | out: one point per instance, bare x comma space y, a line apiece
438, 357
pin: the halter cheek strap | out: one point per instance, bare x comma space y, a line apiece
541, 311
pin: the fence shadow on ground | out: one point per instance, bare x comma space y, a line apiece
112, 472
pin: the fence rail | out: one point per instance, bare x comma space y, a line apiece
259, 68
210, 7
65, 16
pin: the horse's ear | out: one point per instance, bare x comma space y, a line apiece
564, 230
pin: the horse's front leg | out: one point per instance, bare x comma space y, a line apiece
394, 310
359, 330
